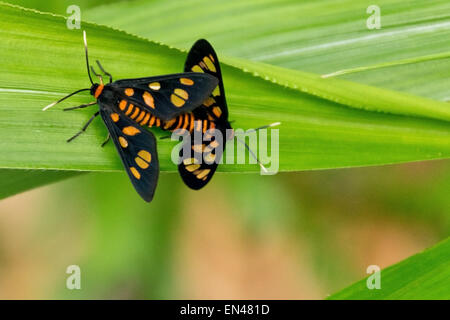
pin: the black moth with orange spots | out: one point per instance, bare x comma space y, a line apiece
213, 114
189, 101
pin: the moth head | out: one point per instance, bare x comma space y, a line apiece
96, 89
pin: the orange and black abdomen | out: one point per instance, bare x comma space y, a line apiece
188, 122
185, 121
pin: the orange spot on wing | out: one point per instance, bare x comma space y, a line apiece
154, 86
217, 111
181, 93
214, 144
216, 91
186, 81
210, 157
129, 92
122, 105
123, 142
176, 100
209, 64
145, 155
189, 161
192, 167
148, 98
131, 131
197, 68
141, 163
135, 173
114, 117
203, 173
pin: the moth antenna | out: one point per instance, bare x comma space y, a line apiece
89, 74
64, 98
97, 74
251, 152
264, 127
87, 56
103, 70
248, 148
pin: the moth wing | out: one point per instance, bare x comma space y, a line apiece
167, 96
203, 59
137, 150
199, 165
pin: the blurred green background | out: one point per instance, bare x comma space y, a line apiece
293, 235
290, 236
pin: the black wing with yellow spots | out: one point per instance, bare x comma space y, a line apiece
203, 59
166, 96
198, 166
137, 149
197, 169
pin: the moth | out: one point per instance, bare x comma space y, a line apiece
199, 165
128, 106
185, 103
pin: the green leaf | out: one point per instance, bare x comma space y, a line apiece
321, 124
59, 6
423, 276
408, 53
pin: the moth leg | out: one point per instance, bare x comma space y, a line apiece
85, 126
107, 140
105, 72
81, 106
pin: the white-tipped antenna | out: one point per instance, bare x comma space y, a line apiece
265, 127
64, 98
89, 74
49, 106
253, 155
84, 38
248, 148
87, 56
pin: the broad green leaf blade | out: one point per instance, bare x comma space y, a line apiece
315, 133
410, 52
350, 94
60, 6
423, 276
